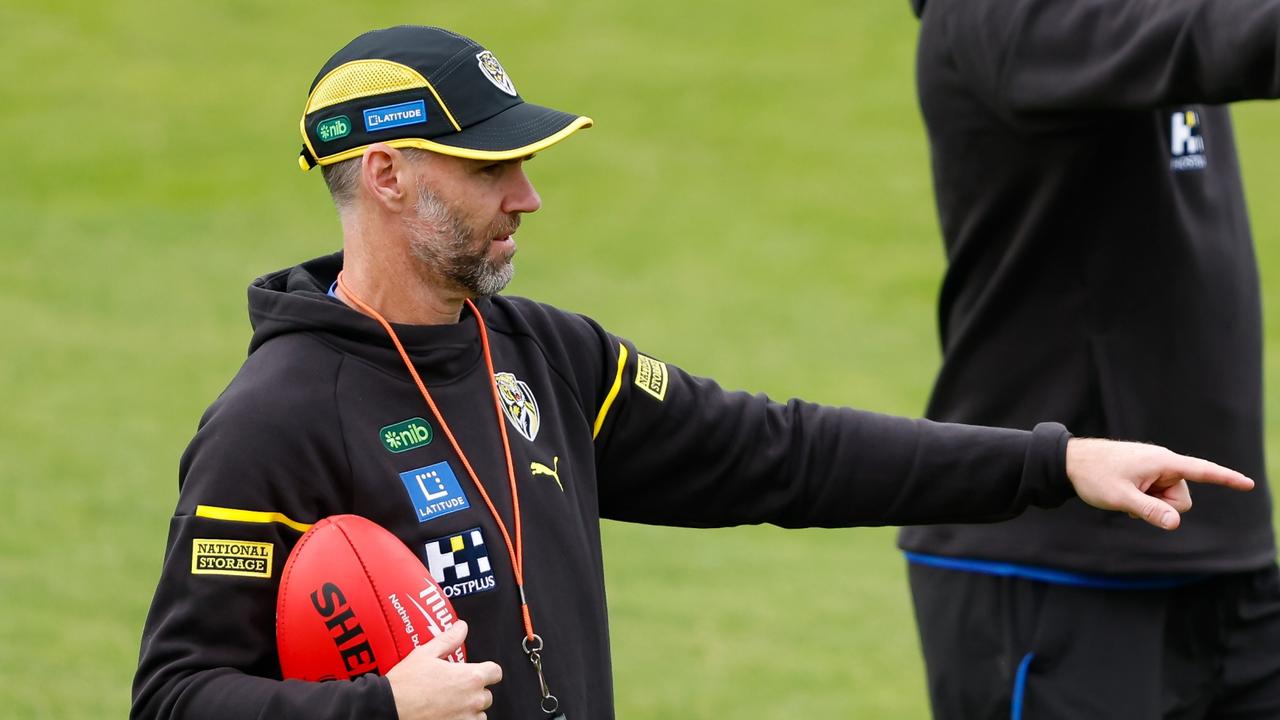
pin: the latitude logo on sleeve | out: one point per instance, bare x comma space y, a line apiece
406, 435
460, 563
434, 491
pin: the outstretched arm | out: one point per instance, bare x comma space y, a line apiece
698, 456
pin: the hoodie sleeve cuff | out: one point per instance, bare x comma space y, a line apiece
1045, 471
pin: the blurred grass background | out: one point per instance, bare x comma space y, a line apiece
753, 205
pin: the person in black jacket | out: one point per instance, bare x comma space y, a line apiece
1100, 273
492, 433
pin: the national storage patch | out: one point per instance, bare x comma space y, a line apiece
231, 557
651, 376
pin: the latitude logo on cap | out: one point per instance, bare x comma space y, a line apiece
492, 69
394, 116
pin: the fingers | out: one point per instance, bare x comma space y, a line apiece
1148, 508
1178, 495
1203, 471
443, 645
426, 685
490, 673
487, 673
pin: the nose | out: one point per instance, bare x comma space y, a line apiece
521, 197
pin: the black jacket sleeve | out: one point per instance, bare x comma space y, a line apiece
208, 646
677, 449
1093, 55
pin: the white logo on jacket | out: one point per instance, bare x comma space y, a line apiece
1185, 141
519, 404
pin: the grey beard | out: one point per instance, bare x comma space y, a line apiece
486, 277
440, 239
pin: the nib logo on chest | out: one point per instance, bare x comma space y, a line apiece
405, 435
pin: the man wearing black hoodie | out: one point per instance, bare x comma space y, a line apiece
1101, 273
492, 433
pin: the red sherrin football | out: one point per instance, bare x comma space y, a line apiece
354, 600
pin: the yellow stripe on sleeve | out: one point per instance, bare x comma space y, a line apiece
613, 391
254, 516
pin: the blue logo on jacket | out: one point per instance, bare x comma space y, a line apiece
434, 491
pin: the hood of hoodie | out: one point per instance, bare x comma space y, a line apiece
296, 300
917, 6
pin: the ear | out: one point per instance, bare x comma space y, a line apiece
387, 178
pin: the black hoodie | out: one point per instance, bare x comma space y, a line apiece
310, 427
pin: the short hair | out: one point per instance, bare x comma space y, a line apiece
344, 177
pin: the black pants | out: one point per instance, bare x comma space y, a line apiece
1210, 649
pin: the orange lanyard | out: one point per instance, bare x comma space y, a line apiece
532, 643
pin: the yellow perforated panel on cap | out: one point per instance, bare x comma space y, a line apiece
362, 78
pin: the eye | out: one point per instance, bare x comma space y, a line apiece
492, 168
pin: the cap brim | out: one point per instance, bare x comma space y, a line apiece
518, 131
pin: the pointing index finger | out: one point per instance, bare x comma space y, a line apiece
1203, 471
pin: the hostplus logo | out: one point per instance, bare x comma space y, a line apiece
405, 435
460, 564
1185, 142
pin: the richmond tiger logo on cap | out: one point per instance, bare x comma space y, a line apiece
492, 69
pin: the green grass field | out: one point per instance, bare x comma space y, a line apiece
753, 204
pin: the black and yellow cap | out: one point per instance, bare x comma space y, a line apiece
427, 88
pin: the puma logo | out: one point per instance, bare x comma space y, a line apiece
538, 468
